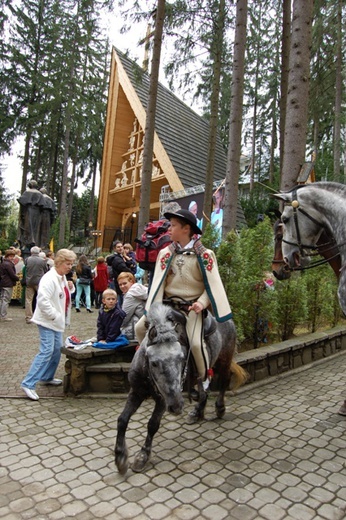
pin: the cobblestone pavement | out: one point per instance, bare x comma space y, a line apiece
279, 453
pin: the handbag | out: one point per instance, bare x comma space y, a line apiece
84, 281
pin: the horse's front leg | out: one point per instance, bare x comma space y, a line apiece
143, 455
121, 454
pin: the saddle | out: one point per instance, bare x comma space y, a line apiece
180, 309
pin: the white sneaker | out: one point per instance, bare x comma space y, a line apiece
53, 382
6, 319
31, 393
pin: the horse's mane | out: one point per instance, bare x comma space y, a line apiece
333, 187
160, 319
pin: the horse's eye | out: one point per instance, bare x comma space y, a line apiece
154, 364
284, 219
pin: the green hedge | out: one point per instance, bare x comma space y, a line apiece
307, 301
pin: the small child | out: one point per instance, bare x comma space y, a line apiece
110, 318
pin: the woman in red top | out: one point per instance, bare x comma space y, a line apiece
100, 280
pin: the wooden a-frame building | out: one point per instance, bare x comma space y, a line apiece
179, 158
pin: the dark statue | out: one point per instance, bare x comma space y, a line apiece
37, 213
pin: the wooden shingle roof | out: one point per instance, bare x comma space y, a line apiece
183, 133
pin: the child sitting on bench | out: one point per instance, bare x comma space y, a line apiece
110, 318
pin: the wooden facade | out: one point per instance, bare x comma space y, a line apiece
180, 150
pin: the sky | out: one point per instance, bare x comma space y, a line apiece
11, 164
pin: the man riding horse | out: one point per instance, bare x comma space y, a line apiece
187, 271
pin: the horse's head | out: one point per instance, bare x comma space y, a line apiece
301, 228
165, 356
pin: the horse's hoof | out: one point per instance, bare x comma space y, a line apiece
140, 462
342, 410
220, 412
122, 465
122, 461
194, 416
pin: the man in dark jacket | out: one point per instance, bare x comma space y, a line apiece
36, 267
8, 280
119, 266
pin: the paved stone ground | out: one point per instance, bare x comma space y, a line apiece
279, 453
19, 343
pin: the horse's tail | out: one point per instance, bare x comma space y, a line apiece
239, 374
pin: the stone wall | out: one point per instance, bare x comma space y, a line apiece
294, 353
105, 371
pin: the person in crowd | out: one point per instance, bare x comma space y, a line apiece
18, 264
119, 266
130, 257
50, 259
43, 255
100, 280
135, 296
8, 279
52, 314
35, 268
18, 261
84, 279
110, 318
187, 270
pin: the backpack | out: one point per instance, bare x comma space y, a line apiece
154, 238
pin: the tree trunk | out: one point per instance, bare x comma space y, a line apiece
298, 94
235, 122
216, 50
71, 191
92, 194
338, 98
144, 205
285, 54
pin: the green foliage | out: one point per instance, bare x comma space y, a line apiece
321, 287
210, 237
305, 301
54, 234
81, 214
53, 63
292, 306
258, 202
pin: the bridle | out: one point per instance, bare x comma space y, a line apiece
301, 246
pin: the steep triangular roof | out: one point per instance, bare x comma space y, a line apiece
179, 158
183, 133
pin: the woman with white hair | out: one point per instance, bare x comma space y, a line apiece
52, 314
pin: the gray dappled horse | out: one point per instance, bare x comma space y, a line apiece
158, 370
313, 211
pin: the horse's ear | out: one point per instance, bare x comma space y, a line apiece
286, 197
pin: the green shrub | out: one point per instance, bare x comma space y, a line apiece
307, 300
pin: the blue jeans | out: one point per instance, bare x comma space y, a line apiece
80, 289
47, 360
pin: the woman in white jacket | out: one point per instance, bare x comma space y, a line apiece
52, 314
134, 299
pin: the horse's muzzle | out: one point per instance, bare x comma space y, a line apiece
282, 273
176, 408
